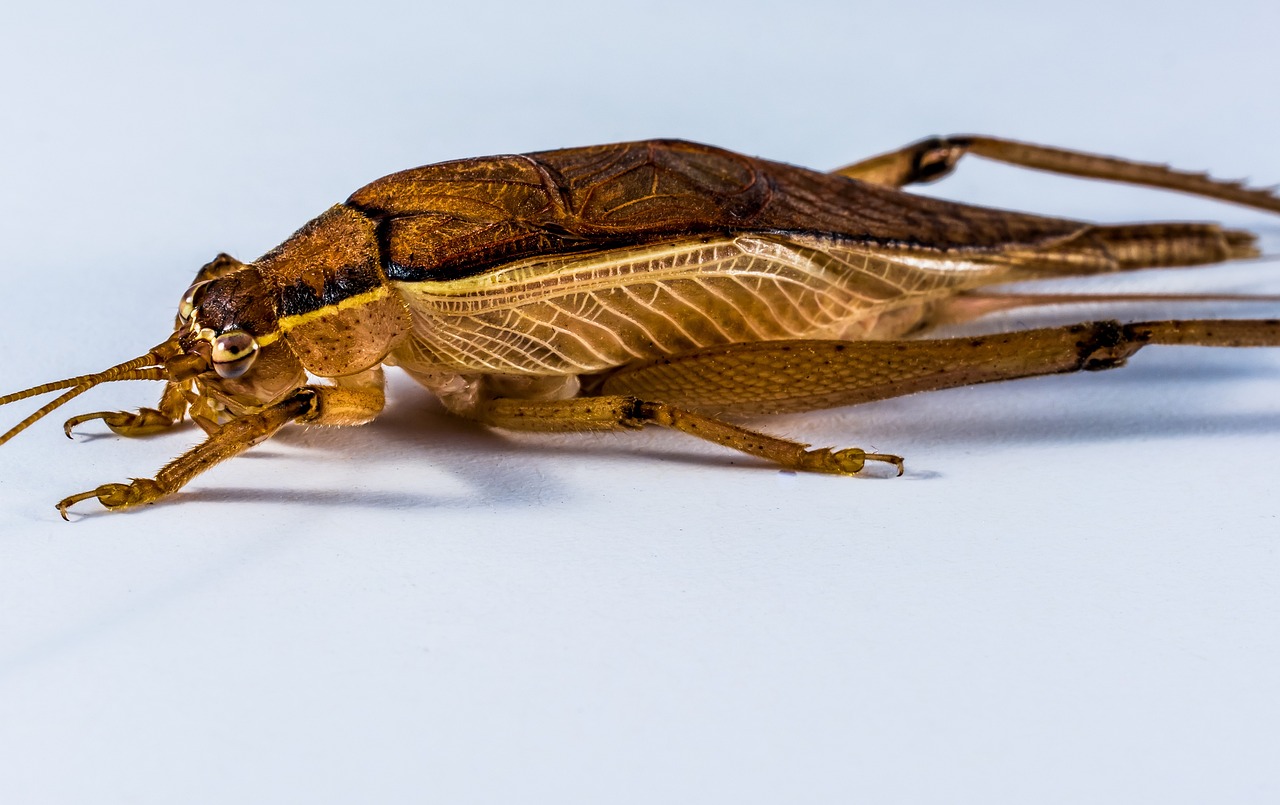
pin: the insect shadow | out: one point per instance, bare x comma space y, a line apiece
494, 466
1189, 394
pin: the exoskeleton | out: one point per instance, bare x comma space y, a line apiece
658, 282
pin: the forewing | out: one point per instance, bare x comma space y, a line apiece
457, 219
581, 314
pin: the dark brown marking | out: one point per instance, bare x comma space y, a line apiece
460, 218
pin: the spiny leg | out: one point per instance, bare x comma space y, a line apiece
619, 412
232, 439
144, 421
351, 400
933, 158
791, 376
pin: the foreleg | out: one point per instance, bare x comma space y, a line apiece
352, 400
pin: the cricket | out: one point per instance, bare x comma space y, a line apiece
657, 283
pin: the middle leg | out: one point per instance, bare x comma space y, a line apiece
624, 412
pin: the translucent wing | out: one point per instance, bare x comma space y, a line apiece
581, 314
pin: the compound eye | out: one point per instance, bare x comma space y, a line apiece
233, 353
190, 300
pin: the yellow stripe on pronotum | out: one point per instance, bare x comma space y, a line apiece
287, 323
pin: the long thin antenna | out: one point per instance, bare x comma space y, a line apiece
147, 373
88, 381
144, 367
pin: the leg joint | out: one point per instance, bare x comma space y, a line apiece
934, 158
1106, 345
634, 412
304, 404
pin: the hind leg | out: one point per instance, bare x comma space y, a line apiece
933, 158
791, 376
772, 377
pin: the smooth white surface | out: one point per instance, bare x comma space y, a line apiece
1072, 595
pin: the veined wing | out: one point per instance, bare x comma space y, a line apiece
579, 314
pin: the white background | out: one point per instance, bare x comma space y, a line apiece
1072, 595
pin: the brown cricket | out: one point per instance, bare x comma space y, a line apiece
649, 283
